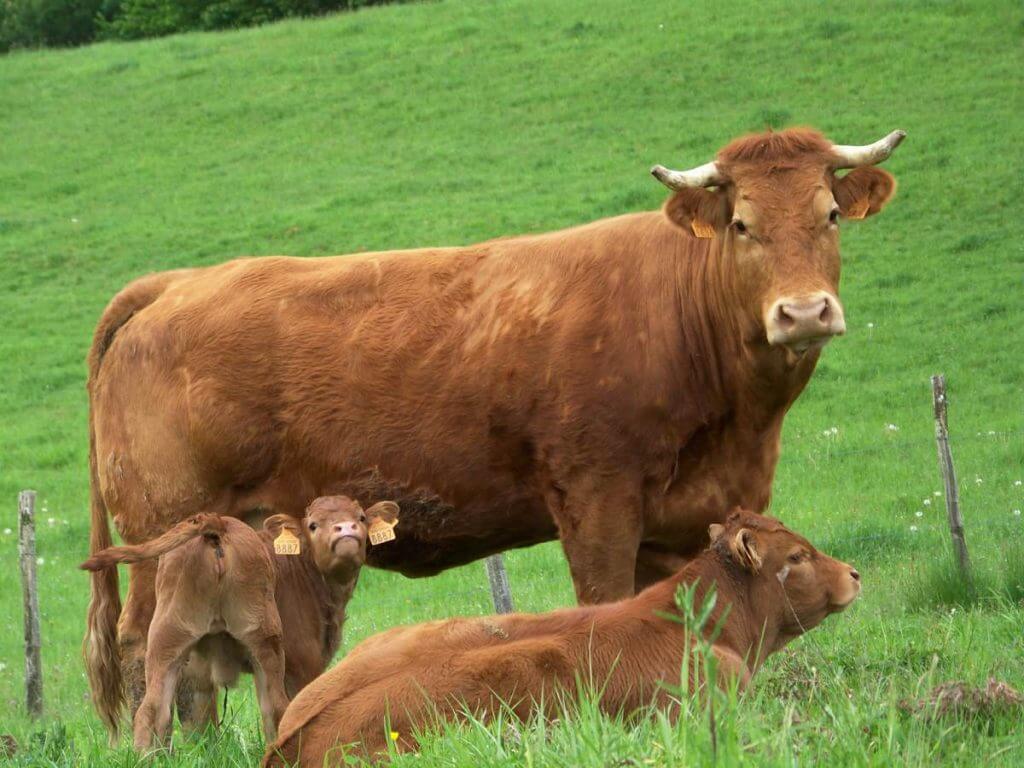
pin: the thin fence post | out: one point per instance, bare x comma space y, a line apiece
956, 522
500, 591
30, 597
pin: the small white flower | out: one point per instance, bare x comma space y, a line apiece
871, 325
892, 428
2, 666
661, 26
936, 494
919, 513
1016, 513
51, 521
7, 531
1017, 483
978, 480
991, 432
913, 529
927, 502
40, 561
952, 611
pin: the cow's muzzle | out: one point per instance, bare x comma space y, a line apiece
805, 322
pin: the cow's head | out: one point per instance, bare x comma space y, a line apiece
774, 202
336, 530
793, 584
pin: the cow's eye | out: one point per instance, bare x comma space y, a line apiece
796, 557
833, 216
739, 226
312, 526
362, 518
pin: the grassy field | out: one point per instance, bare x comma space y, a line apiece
446, 123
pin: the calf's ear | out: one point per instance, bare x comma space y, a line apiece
700, 212
744, 550
275, 523
715, 532
863, 191
385, 510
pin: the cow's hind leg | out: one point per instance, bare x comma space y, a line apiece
133, 628
196, 697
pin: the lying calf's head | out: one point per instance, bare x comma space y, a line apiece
335, 530
795, 584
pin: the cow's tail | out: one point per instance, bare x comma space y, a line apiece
100, 648
209, 525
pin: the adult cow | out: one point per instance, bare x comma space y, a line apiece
618, 385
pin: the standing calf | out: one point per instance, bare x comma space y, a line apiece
776, 584
223, 595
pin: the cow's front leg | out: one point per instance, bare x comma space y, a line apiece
600, 524
654, 564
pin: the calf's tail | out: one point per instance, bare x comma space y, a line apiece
208, 525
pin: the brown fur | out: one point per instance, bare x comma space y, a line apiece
226, 599
404, 678
610, 385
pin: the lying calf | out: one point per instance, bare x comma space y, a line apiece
777, 584
222, 592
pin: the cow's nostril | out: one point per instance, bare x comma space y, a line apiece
783, 318
855, 574
826, 313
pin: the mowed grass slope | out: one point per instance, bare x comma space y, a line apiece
447, 123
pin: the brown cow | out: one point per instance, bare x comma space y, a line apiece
224, 597
777, 584
616, 385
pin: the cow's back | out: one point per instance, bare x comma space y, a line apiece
451, 379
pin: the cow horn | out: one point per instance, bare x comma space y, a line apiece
706, 175
851, 156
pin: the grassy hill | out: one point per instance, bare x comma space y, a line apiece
450, 122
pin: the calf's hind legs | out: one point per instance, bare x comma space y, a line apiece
169, 646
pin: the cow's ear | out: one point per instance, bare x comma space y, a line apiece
384, 510
698, 211
743, 548
715, 532
863, 191
275, 523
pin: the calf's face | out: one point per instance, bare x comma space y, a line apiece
336, 531
797, 585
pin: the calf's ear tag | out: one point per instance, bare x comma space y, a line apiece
382, 531
702, 229
287, 543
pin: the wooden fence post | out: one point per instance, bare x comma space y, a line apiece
500, 592
30, 596
956, 522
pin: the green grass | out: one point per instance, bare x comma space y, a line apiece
446, 123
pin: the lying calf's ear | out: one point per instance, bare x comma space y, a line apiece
275, 523
715, 532
383, 510
744, 550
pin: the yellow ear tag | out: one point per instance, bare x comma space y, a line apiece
702, 229
382, 531
858, 210
287, 543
